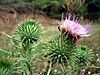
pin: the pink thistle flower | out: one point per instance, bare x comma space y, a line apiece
74, 29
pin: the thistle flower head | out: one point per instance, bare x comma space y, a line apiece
29, 31
74, 28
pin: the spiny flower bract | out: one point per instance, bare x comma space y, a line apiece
29, 31
60, 50
84, 55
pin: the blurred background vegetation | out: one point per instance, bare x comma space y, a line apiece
54, 8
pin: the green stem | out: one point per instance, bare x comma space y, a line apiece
62, 68
49, 69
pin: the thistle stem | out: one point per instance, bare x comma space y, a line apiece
49, 69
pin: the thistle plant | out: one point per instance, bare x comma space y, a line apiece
74, 28
63, 49
84, 55
29, 33
6, 66
23, 44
